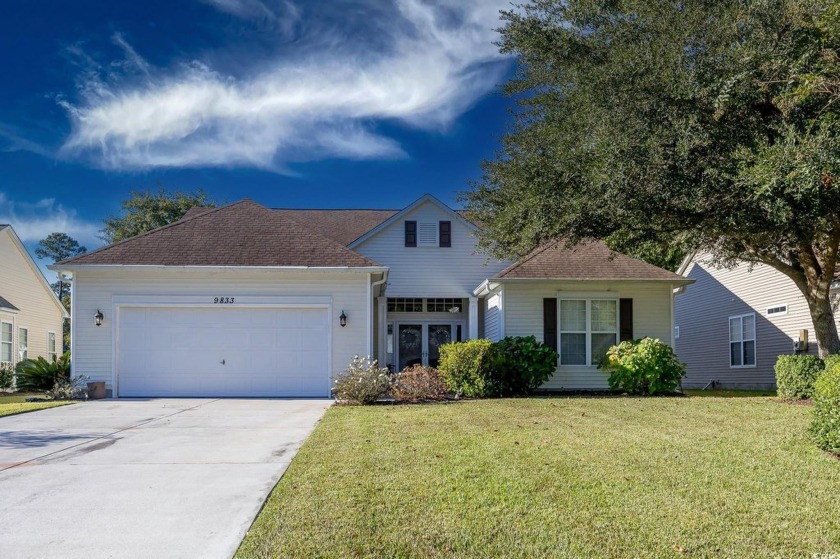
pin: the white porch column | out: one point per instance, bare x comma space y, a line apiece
472, 319
382, 329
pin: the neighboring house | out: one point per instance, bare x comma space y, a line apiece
732, 324
31, 317
245, 300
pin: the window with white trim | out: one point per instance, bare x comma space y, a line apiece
52, 352
6, 342
587, 329
23, 343
742, 340
444, 305
777, 309
405, 304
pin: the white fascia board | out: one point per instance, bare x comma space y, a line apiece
675, 282
408, 209
486, 287
141, 267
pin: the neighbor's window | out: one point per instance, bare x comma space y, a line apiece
588, 328
23, 343
6, 342
742, 340
52, 353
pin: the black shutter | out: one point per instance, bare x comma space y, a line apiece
550, 323
445, 236
411, 233
625, 319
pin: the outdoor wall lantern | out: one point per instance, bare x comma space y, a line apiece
342, 319
97, 318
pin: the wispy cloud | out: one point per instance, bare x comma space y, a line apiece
12, 140
326, 99
33, 221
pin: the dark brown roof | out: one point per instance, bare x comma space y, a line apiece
196, 210
240, 234
4, 303
586, 261
344, 226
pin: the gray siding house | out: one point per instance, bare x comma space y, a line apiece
732, 324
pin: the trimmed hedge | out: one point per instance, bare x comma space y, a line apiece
463, 367
796, 375
825, 423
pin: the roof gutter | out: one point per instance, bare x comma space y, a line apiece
674, 281
142, 267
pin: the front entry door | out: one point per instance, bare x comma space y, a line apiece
410, 345
437, 335
419, 343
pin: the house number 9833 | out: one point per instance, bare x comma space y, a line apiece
223, 300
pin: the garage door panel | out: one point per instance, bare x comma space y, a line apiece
266, 352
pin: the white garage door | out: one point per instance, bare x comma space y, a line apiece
219, 352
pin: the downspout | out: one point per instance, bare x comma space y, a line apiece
373, 286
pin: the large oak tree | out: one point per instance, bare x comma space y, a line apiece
708, 125
144, 211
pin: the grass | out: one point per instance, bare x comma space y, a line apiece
11, 404
710, 476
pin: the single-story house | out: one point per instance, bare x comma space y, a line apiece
31, 316
244, 300
733, 323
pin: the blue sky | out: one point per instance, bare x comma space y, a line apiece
315, 103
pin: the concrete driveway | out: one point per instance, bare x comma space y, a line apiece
143, 478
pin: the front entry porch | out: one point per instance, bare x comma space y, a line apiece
412, 329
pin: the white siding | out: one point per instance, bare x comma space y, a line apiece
430, 271
22, 284
523, 316
702, 312
94, 346
492, 317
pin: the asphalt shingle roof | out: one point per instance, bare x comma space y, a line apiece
240, 234
5, 304
586, 261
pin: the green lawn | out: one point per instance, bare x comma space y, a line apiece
11, 404
704, 476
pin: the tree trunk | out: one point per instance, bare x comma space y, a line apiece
825, 329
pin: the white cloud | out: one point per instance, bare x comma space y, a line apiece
33, 221
323, 100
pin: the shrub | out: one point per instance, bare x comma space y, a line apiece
362, 383
796, 374
831, 360
825, 423
7, 376
643, 367
69, 389
463, 366
417, 384
519, 365
40, 374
